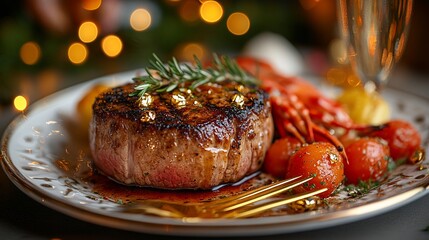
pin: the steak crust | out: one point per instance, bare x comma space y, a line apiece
217, 133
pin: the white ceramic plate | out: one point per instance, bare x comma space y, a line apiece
46, 159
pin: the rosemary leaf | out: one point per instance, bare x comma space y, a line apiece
165, 77
171, 88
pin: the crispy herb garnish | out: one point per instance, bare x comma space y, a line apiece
361, 188
165, 77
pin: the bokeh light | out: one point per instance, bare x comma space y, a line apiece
111, 45
238, 23
77, 53
343, 77
187, 51
211, 11
188, 10
337, 76
91, 5
30, 53
49, 81
140, 19
88, 32
20, 103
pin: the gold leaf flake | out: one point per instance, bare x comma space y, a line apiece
306, 204
146, 100
178, 99
148, 116
333, 157
238, 99
239, 88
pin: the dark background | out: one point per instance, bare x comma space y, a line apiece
310, 25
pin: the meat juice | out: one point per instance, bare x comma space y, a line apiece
124, 194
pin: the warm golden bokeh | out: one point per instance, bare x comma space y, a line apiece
188, 10
111, 45
140, 19
187, 51
211, 11
91, 5
20, 103
77, 53
30, 53
238, 23
88, 32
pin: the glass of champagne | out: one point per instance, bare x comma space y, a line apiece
375, 33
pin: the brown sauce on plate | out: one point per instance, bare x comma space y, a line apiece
120, 193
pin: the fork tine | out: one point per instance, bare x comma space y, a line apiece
233, 207
253, 192
157, 211
270, 205
263, 193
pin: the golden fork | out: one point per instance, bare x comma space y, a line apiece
243, 205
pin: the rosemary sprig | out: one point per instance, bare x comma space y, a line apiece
165, 77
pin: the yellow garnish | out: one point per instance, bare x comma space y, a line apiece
84, 106
365, 107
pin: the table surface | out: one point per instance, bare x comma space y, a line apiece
23, 218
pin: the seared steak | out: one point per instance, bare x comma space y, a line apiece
217, 133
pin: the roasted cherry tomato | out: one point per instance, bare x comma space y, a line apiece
367, 160
403, 139
347, 138
277, 156
323, 162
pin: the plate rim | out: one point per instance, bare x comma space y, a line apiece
212, 230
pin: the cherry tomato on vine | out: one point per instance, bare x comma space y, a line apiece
403, 139
320, 160
367, 160
277, 156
